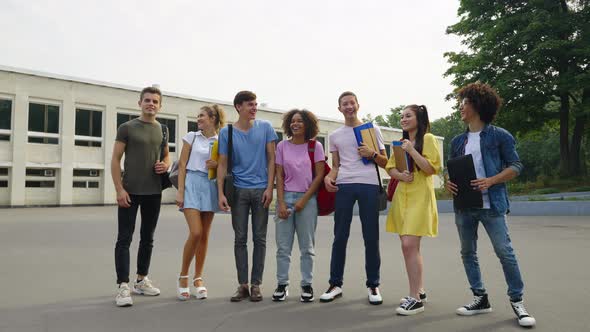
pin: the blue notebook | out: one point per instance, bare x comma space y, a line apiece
365, 133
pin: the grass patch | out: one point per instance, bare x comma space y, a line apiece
544, 191
581, 189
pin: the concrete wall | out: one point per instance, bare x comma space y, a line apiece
23, 87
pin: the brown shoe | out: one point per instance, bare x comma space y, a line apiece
255, 294
240, 294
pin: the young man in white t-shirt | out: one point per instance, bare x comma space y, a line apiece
353, 181
496, 162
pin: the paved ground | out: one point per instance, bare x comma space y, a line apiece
57, 275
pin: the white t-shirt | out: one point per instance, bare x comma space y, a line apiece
200, 151
473, 147
352, 169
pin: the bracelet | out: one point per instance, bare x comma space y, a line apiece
375, 155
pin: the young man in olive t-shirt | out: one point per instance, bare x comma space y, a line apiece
140, 188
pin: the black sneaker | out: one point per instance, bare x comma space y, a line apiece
280, 293
524, 319
307, 294
411, 306
423, 298
480, 305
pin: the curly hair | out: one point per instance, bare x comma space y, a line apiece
309, 120
483, 98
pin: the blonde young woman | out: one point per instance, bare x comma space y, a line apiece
197, 196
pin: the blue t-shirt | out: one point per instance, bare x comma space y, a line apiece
249, 154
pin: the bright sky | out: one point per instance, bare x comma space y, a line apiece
290, 53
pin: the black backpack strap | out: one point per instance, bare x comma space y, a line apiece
164, 140
230, 132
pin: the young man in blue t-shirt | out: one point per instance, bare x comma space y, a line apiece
253, 169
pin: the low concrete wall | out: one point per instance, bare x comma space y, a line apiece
536, 208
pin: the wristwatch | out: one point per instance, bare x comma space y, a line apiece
374, 155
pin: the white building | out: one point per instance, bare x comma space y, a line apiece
57, 134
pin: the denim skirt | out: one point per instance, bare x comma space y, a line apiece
200, 193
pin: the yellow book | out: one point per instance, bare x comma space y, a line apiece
213, 155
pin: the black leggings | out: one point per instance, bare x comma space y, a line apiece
149, 207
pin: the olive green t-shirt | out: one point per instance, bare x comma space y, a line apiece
142, 149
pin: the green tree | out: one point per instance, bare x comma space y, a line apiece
447, 127
537, 55
390, 120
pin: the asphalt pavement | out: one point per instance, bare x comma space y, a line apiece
57, 274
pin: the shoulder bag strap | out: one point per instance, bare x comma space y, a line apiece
311, 152
378, 177
230, 132
164, 140
191, 152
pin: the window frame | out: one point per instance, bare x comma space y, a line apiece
90, 140
8, 132
44, 135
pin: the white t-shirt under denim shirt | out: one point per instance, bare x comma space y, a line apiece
473, 147
352, 169
200, 150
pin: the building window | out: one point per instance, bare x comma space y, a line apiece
193, 126
122, 118
39, 184
79, 184
171, 124
3, 177
88, 127
83, 178
87, 172
43, 123
40, 177
5, 119
322, 140
388, 150
47, 172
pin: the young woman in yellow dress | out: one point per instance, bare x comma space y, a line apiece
413, 213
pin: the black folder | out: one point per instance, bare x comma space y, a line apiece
461, 172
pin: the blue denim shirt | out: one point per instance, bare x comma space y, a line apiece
498, 152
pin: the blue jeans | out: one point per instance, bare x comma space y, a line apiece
346, 196
304, 224
495, 225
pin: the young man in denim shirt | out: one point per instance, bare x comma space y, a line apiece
496, 162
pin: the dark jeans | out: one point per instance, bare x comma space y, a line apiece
346, 196
149, 207
246, 201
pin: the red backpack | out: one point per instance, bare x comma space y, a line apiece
326, 199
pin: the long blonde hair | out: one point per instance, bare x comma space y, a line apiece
215, 111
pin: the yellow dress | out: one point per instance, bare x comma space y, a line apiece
413, 208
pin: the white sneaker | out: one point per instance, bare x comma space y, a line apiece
123, 298
374, 295
524, 319
332, 293
145, 287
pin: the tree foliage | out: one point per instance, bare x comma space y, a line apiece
537, 55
